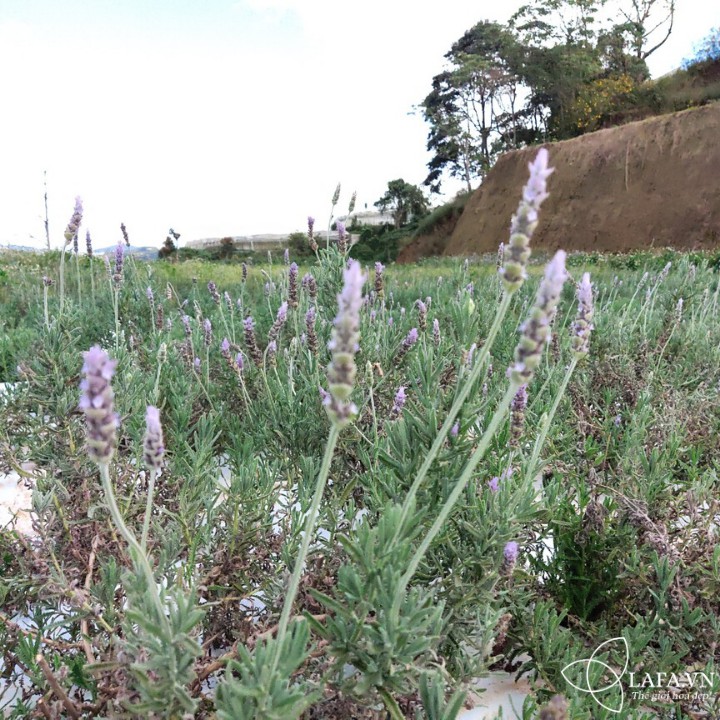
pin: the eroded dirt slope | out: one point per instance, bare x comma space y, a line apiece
653, 183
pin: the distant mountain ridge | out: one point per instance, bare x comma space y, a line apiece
144, 253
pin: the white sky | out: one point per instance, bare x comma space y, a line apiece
223, 117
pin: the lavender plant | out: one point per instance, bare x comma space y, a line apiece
376, 577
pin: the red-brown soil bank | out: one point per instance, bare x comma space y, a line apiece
653, 183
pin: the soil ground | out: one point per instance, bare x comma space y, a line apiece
652, 183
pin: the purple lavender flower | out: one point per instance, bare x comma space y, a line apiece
583, 322
97, 404
525, 221
422, 315
293, 285
244, 272
536, 329
373, 315
311, 236
436, 332
88, 244
344, 345
197, 364
225, 346
398, 404
471, 354
455, 429
379, 281
342, 237
124, 232
277, 326
212, 288
251, 341
228, 301
311, 337
517, 416
390, 321
207, 332
186, 325
286, 256
150, 295
407, 343
240, 362
74, 224
494, 484
310, 284
119, 257
271, 352
47, 282
153, 447
510, 556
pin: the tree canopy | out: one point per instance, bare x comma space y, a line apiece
403, 200
540, 76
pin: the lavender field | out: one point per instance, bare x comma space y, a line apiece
335, 491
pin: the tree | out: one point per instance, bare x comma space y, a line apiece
169, 248
469, 101
404, 201
649, 23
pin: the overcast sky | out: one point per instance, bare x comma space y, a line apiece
223, 117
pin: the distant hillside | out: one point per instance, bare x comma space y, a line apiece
144, 253
646, 184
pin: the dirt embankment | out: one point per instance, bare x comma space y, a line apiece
653, 183
429, 244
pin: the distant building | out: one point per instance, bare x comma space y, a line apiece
367, 217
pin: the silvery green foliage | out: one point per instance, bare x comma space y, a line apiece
385, 652
432, 695
161, 662
249, 691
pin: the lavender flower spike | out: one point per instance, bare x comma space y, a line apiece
536, 329
153, 447
97, 404
379, 281
74, 224
510, 556
517, 416
583, 326
277, 326
410, 339
293, 285
399, 403
344, 345
524, 222
251, 341
119, 257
